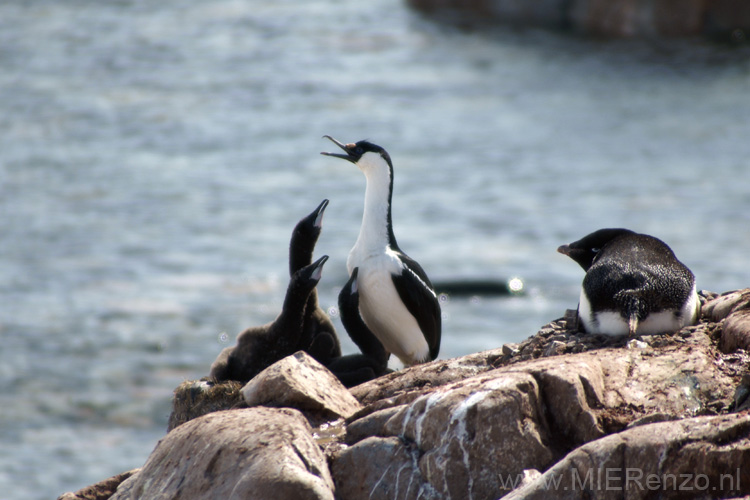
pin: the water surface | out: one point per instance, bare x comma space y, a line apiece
154, 159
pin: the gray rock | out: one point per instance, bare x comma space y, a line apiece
732, 309
298, 381
471, 435
454, 441
725, 304
650, 419
742, 394
691, 458
736, 332
259, 453
554, 347
371, 424
510, 349
380, 469
406, 385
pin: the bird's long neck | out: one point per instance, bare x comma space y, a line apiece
293, 314
376, 231
301, 250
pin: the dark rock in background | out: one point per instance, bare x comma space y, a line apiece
721, 19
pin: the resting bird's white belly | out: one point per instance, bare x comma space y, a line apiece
383, 311
612, 323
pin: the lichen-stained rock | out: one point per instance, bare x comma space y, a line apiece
299, 381
258, 453
573, 390
371, 424
594, 393
727, 303
700, 457
408, 384
472, 435
380, 469
454, 442
99, 491
589, 394
742, 394
194, 398
732, 309
736, 332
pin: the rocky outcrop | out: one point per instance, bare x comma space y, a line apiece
729, 19
259, 453
456, 440
691, 458
476, 434
559, 407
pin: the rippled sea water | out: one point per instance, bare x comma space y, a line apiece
154, 158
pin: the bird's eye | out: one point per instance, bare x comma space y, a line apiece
595, 250
359, 150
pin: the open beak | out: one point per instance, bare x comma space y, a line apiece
345, 147
318, 272
319, 213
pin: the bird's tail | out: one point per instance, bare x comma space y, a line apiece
634, 309
632, 324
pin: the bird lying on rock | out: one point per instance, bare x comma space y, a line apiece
261, 346
634, 284
397, 302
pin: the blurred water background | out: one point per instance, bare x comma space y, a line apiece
154, 157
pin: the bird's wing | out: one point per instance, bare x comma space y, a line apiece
415, 290
367, 342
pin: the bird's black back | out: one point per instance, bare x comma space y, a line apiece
637, 273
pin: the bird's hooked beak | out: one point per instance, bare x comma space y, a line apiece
580, 255
346, 147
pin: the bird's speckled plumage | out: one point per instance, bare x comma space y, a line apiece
634, 284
